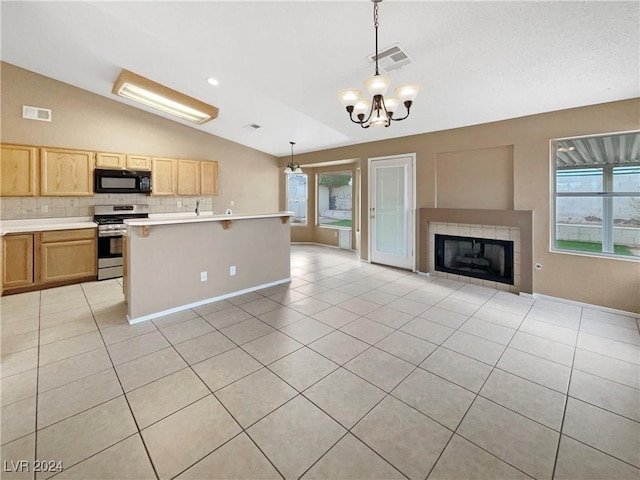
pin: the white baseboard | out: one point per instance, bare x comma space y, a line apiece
151, 316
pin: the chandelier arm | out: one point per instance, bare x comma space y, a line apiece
408, 107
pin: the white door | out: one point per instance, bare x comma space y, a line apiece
391, 211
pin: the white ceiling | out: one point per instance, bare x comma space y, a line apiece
280, 63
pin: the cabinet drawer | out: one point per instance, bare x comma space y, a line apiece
64, 235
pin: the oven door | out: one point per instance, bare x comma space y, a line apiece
109, 255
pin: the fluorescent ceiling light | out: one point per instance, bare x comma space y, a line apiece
140, 89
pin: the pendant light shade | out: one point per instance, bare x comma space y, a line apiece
291, 167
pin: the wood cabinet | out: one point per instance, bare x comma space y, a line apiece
208, 178
188, 177
138, 162
68, 255
66, 173
18, 171
18, 255
163, 176
120, 161
44, 259
111, 160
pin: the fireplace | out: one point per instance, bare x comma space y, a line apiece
484, 258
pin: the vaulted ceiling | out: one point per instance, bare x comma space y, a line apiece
280, 64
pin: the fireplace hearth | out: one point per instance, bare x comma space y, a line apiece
483, 258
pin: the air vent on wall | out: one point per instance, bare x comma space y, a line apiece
36, 113
392, 58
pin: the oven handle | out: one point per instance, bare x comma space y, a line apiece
111, 233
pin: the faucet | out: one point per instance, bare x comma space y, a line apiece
198, 206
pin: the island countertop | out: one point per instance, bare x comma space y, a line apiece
172, 219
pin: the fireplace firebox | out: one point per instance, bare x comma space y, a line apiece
483, 258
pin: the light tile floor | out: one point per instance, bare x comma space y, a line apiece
350, 371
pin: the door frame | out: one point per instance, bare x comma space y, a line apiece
412, 202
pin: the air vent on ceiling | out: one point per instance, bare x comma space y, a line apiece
36, 113
392, 58
252, 126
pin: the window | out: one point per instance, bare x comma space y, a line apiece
297, 197
597, 195
334, 199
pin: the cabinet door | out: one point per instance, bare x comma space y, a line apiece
18, 171
188, 177
208, 178
138, 162
68, 260
163, 176
18, 261
110, 160
66, 173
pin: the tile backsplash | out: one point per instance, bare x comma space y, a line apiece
15, 208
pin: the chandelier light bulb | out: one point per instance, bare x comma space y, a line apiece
391, 104
349, 97
378, 84
407, 92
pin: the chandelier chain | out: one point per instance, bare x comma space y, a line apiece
375, 26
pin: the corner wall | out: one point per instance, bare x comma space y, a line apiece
525, 167
84, 120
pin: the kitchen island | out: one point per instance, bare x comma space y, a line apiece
176, 263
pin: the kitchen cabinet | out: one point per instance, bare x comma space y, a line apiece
138, 162
18, 171
66, 173
188, 177
68, 255
111, 160
121, 161
208, 178
164, 175
43, 259
18, 256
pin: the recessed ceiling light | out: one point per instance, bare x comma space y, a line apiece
212, 81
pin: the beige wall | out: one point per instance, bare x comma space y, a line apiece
607, 282
84, 120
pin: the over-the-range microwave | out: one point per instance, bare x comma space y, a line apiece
121, 181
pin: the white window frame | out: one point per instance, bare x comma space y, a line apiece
607, 195
306, 199
317, 212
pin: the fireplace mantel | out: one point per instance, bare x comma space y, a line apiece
523, 219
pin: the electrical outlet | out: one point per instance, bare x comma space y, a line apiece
178, 204
335, 234
232, 270
232, 203
203, 276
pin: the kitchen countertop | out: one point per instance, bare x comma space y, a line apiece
171, 219
44, 224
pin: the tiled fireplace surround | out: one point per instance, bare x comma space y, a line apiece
515, 225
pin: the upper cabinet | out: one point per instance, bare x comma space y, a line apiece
188, 177
66, 173
163, 176
18, 171
121, 161
208, 178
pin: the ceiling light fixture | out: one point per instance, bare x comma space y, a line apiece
380, 110
291, 167
142, 90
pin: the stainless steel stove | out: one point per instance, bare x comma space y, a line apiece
111, 228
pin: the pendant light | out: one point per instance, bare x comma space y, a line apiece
291, 167
379, 110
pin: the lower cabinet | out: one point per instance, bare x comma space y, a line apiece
43, 259
17, 253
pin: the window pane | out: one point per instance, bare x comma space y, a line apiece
626, 225
626, 179
334, 199
391, 220
297, 197
579, 223
579, 180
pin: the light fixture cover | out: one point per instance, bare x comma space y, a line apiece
378, 84
349, 97
140, 89
407, 91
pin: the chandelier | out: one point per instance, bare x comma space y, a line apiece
291, 167
378, 111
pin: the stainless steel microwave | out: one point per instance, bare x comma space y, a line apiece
121, 181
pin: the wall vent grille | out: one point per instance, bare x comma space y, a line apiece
36, 113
